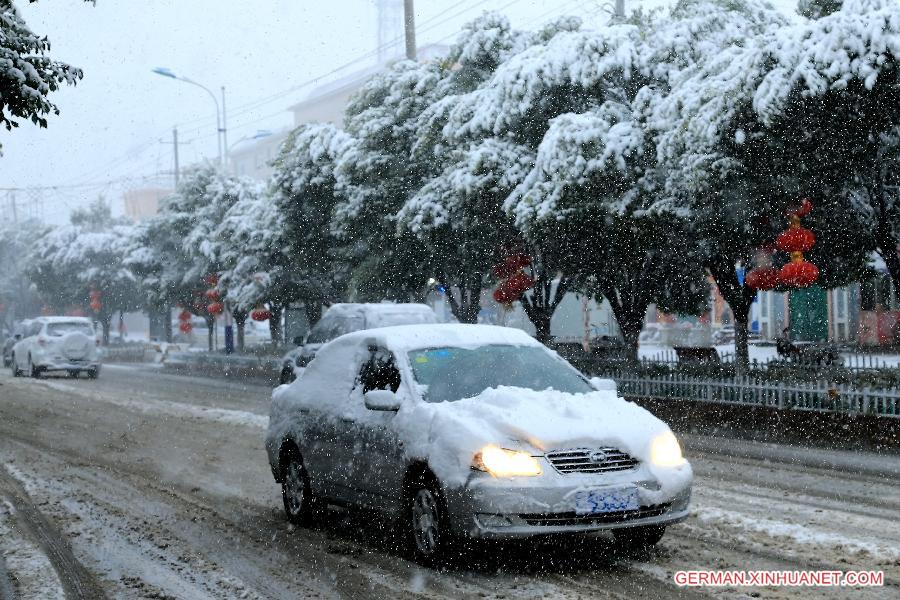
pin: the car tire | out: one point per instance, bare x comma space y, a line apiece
93, 373
296, 491
286, 376
14, 367
639, 538
425, 524
33, 371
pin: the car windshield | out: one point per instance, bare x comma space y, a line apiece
61, 329
451, 374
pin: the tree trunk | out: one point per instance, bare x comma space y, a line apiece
631, 332
167, 323
275, 324
739, 298
240, 320
121, 325
540, 305
210, 332
313, 312
105, 323
469, 305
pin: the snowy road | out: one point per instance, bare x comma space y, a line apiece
147, 485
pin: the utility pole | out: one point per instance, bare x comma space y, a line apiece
175, 146
224, 134
409, 22
620, 9
12, 204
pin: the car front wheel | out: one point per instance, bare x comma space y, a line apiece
639, 538
296, 493
426, 523
14, 365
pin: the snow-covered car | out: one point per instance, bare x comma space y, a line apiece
471, 431
57, 344
346, 318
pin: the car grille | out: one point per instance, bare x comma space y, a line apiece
570, 518
584, 460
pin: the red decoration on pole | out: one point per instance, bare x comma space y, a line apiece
185, 327
260, 313
514, 281
96, 304
212, 294
184, 316
216, 308
762, 278
796, 240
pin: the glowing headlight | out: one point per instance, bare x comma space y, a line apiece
500, 462
665, 451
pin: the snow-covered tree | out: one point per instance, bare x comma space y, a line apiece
27, 74
816, 9
17, 298
305, 191
378, 173
72, 261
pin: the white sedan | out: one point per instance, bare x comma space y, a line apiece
472, 430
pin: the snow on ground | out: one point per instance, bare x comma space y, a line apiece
28, 567
171, 409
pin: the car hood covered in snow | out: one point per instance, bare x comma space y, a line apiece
447, 434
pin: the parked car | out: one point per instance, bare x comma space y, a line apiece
14, 336
471, 431
346, 318
57, 344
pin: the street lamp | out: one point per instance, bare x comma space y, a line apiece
260, 133
221, 130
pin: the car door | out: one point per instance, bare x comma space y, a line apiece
377, 458
324, 389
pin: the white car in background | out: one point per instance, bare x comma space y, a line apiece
57, 344
472, 431
344, 318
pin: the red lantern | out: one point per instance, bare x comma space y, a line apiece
796, 239
261, 314
216, 308
212, 294
185, 327
519, 282
503, 295
96, 306
184, 316
798, 273
762, 278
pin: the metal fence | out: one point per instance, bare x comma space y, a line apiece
820, 396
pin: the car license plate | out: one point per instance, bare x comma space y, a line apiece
591, 502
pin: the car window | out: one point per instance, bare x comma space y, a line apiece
379, 372
61, 329
450, 374
330, 328
389, 319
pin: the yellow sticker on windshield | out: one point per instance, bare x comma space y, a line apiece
421, 359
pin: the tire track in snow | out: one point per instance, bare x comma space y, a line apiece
76, 580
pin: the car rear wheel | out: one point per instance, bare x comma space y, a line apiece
427, 533
296, 492
32, 370
92, 373
287, 375
638, 538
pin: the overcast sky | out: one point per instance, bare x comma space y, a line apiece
115, 125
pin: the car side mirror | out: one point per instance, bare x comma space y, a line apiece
18, 336
603, 385
383, 400
298, 341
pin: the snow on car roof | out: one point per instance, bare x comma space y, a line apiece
402, 338
63, 319
383, 307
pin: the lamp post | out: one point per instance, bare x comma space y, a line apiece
221, 129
